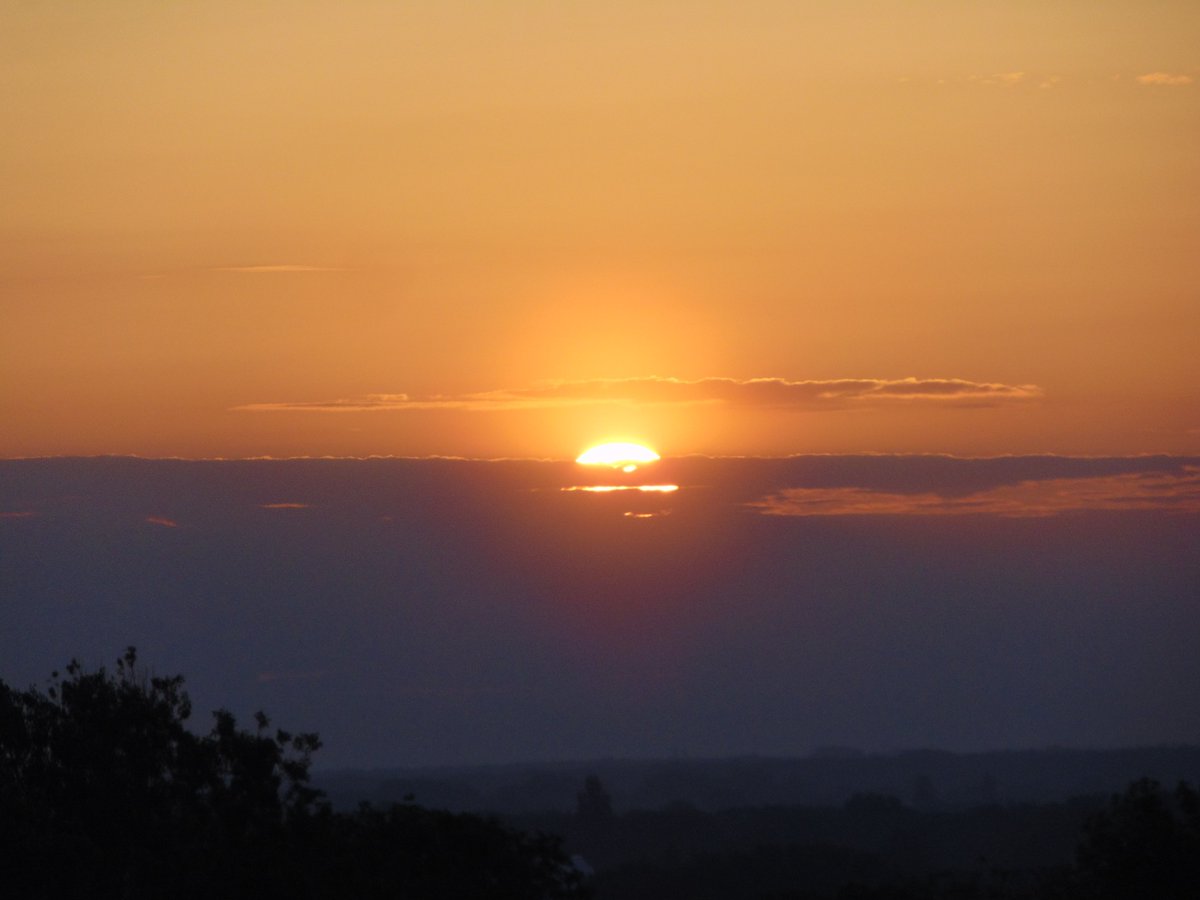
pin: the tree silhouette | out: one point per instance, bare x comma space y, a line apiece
1146, 844
106, 793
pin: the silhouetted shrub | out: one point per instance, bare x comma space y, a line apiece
106, 793
1146, 844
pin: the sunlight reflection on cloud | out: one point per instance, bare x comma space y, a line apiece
1164, 79
754, 393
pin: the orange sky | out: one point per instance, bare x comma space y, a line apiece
498, 229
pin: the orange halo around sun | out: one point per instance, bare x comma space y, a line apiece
617, 455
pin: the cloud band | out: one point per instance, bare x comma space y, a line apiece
1130, 492
753, 393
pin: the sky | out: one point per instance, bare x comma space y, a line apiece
510, 229
432, 612
307, 309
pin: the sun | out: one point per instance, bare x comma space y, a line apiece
617, 455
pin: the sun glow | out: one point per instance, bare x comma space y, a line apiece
617, 455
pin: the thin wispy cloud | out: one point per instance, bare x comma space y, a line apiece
1164, 79
162, 521
1044, 81
277, 268
1172, 492
753, 393
1005, 78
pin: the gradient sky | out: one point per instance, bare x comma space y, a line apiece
799, 248
513, 229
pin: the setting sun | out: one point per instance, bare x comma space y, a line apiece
619, 455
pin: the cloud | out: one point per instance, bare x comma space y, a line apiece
365, 403
1164, 79
161, 520
277, 268
754, 393
23, 514
1163, 491
283, 506
1008, 79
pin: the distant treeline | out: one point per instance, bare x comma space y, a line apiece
1142, 843
912, 825
923, 779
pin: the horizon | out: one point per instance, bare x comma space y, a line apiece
816, 754
1148, 454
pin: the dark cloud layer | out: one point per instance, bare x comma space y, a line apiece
450, 611
1177, 491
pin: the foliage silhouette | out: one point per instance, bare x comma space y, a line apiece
106, 793
1145, 844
